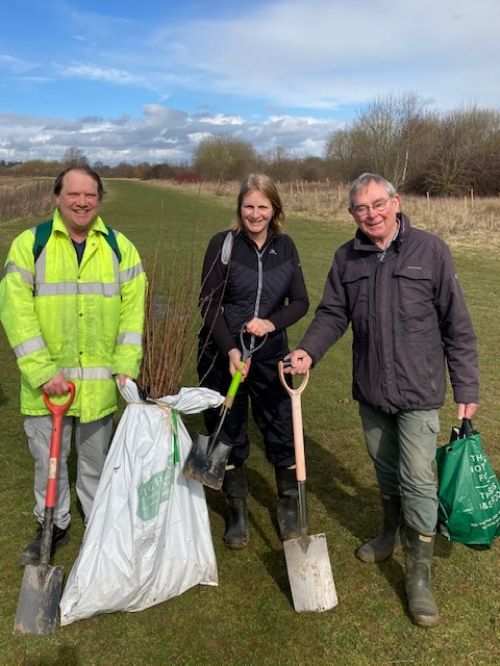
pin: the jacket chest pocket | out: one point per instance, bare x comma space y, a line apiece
356, 282
415, 300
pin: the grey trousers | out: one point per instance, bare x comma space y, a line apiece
92, 443
402, 447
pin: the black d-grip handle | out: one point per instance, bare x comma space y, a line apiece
466, 429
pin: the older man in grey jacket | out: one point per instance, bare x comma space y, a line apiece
398, 288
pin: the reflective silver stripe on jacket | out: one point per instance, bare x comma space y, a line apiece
131, 273
41, 266
129, 339
11, 267
106, 289
103, 372
116, 268
29, 346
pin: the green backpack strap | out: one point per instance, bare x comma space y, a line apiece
44, 229
42, 235
113, 243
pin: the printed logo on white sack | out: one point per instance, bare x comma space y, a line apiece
154, 492
157, 489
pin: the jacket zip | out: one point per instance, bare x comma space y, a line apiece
260, 284
260, 280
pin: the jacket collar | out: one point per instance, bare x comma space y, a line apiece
364, 244
58, 224
270, 237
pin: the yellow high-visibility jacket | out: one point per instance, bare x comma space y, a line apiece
83, 320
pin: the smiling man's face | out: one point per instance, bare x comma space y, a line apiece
78, 203
375, 213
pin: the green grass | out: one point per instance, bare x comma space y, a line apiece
249, 618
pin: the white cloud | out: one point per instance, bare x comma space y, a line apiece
92, 72
221, 119
305, 54
291, 54
274, 73
198, 137
160, 134
322, 53
41, 139
16, 65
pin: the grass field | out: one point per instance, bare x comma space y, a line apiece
249, 618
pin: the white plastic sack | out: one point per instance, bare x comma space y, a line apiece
148, 535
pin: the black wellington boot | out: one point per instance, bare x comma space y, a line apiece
388, 542
235, 487
288, 497
418, 556
31, 554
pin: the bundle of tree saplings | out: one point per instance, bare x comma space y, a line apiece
169, 327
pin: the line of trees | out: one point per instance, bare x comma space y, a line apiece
418, 150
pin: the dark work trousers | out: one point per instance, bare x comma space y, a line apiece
271, 410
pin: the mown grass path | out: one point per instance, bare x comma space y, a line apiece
249, 618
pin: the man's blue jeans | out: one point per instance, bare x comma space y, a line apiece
402, 447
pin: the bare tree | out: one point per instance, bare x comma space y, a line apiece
280, 164
222, 158
74, 157
384, 138
345, 154
392, 131
466, 153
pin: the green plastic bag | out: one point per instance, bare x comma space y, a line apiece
469, 492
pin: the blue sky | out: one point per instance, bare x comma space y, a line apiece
146, 81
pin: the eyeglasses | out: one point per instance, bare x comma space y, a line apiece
378, 207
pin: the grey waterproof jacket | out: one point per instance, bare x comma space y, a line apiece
408, 317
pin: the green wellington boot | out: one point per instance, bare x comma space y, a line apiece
418, 556
388, 542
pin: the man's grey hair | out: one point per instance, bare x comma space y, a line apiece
364, 180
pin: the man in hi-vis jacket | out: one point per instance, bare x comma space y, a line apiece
73, 310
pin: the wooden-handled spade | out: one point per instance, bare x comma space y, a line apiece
307, 558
